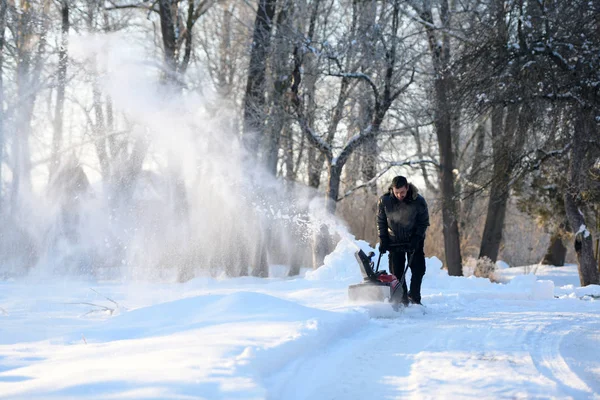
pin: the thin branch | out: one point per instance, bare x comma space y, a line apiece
403, 88
142, 6
358, 75
107, 298
372, 181
545, 155
77, 146
111, 310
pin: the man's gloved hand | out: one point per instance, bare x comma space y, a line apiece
384, 245
414, 242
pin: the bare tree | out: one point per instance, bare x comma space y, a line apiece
61, 78
509, 130
30, 57
393, 82
584, 130
254, 100
444, 111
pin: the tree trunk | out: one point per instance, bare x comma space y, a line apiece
99, 130
494, 221
169, 39
508, 133
29, 71
63, 59
281, 73
449, 214
254, 100
288, 155
440, 53
314, 160
260, 265
556, 252
474, 173
496, 211
313, 171
584, 128
428, 183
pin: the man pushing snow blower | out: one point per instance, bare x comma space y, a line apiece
402, 220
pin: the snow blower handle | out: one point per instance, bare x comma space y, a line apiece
411, 255
378, 261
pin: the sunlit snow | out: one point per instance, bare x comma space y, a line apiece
537, 335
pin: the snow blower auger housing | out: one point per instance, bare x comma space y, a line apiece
376, 285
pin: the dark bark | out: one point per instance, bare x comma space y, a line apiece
281, 73
314, 159
255, 106
508, 134
254, 99
288, 155
475, 171
443, 127
557, 251
585, 127
169, 38
63, 59
504, 121
449, 213
496, 211
187, 51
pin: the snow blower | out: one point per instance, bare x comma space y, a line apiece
378, 285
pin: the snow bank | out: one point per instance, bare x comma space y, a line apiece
439, 287
590, 291
308, 339
198, 312
341, 265
434, 267
531, 288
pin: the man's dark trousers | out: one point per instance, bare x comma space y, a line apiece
417, 269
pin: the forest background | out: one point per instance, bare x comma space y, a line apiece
134, 135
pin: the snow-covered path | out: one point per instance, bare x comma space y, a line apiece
529, 353
249, 338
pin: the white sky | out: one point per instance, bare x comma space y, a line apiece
279, 338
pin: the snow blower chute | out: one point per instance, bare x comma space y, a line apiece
378, 285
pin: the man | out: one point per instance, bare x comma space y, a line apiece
402, 220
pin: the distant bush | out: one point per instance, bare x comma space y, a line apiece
485, 268
481, 268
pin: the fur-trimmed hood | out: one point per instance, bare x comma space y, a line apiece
412, 194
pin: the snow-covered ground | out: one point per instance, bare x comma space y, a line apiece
535, 336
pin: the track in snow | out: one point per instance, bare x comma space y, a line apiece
474, 353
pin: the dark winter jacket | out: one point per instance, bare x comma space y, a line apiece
398, 221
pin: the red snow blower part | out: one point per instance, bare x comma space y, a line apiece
379, 285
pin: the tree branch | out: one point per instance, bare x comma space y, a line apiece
142, 6
386, 169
